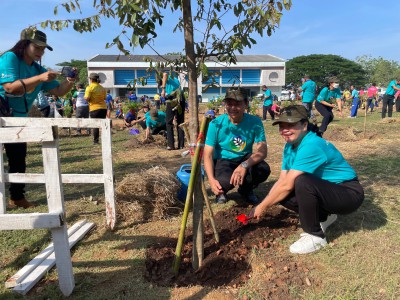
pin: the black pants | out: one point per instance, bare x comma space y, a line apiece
270, 111
398, 104
314, 199
45, 112
369, 102
82, 112
97, 114
172, 113
16, 155
387, 105
157, 130
327, 115
223, 170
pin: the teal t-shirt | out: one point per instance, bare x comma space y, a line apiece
12, 69
267, 98
318, 157
328, 95
355, 93
172, 84
232, 141
150, 123
390, 90
308, 88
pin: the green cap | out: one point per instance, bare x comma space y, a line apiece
292, 114
35, 36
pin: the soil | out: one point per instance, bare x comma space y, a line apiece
228, 263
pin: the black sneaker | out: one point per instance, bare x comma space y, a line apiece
221, 199
250, 197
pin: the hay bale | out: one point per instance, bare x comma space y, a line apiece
148, 195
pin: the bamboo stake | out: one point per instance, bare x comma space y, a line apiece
365, 120
203, 189
193, 174
210, 212
198, 233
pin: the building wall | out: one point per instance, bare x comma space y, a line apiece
250, 75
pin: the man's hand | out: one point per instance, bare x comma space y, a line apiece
257, 212
216, 187
238, 176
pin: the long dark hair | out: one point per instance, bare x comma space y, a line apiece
19, 48
311, 127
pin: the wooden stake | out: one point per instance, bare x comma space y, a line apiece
365, 121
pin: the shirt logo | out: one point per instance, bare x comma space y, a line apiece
238, 143
6, 75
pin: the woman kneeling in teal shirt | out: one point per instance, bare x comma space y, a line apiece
315, 181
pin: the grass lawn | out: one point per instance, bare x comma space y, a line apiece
360, 262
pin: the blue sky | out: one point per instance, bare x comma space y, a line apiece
348, 28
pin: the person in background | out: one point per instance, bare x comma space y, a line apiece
235, 150
95, 95
388, 98
346, 97
43, 104
142, 120
276, 108
267, 104
326, 102
175, 109
81, 105
23, 77
118, 113
315, 181
155, 123
132, 96
372, 94
157, 101
397, 101
130, 117
355, 101
210, 113
109, 104
56, 106
308, 89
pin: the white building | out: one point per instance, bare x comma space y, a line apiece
250, 72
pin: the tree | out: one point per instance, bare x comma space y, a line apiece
320, 67
379, 70
139, 21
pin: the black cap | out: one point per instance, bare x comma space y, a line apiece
236, 94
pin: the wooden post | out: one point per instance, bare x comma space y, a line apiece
210, 212
55, 200
365, 120
108, 173
198, 234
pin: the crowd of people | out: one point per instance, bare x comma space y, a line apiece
315, 179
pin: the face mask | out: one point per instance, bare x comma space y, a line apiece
336, 85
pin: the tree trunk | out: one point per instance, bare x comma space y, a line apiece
192, 72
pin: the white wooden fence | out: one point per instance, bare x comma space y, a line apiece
31, 128
13, 130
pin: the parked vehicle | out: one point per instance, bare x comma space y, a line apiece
285, 96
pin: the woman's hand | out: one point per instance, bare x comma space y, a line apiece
48, 76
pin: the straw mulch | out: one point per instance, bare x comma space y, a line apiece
148, 195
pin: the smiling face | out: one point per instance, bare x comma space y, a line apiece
293, 133
235, 110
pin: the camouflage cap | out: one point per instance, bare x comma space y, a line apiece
35, 36
236, 94
292, 114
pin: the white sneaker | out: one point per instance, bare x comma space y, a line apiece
329, 221
307, 243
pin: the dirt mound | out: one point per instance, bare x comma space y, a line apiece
139, 141
343, 134
227, 263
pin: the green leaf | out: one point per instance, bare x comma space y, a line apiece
55, 10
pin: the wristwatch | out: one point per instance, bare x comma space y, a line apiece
245, 165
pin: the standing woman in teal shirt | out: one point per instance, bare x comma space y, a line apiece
267, 105
326, 102
22, 78
315, 181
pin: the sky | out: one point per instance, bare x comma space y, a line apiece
349, 28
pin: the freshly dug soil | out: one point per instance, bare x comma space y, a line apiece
227, 263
